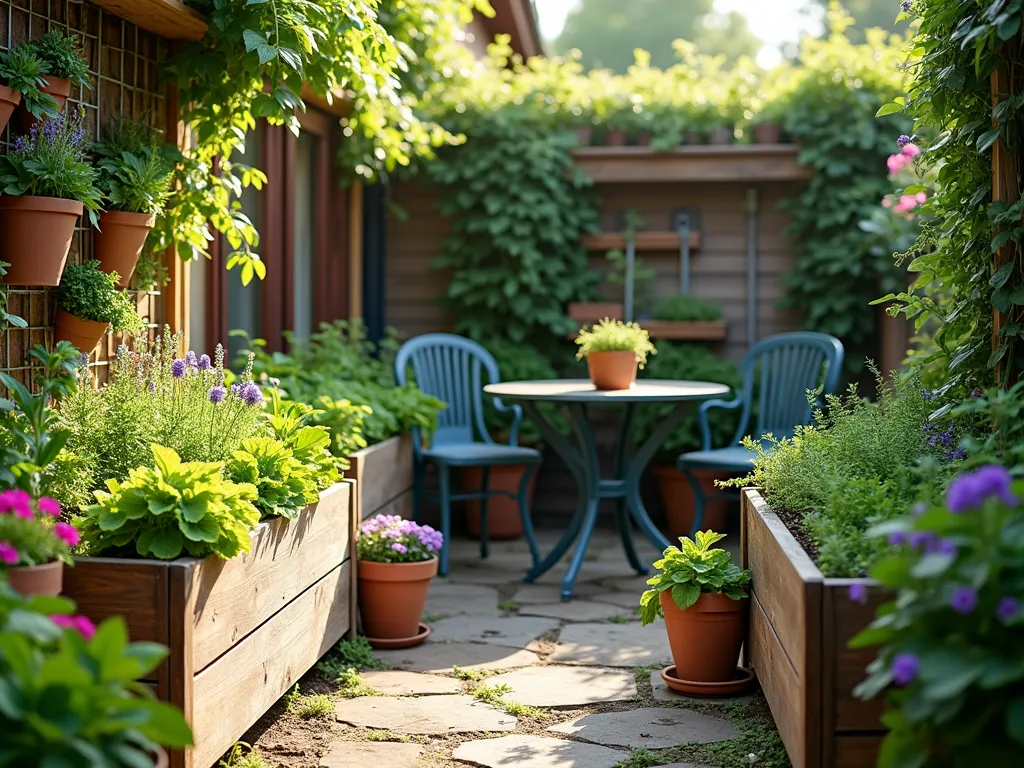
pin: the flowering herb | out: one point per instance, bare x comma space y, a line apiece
29, 532
950, 638
390, 539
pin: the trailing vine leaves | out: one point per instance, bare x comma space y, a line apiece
958, 48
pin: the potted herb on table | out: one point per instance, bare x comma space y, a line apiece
397, 560
702, 595
45, 184
63, 67
135, 178
613, 351
21, 78
90, 304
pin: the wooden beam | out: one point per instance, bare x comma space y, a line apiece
170, 19
645, 241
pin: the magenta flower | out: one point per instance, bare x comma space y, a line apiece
49, 506
904, 668
8, 554
858, 592
897, 163
911, 150
972, 489
886, 202
17, 501
66, 533
964, 600
81, 624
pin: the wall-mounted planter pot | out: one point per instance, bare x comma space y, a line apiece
616, 138
714, 330
721, 136
643, 139
240, 631
583, 136
59, 88
693, 137
768, 133
119, 241
9, 99
35, 237
83, 334
800, 625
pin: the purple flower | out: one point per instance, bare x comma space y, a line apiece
858, 592
921, 539
918, 509
945, 547
926, 394
957, 454
905, 6
964, 600
152, 386
217, 394
896, 538
204, 363
1008, 609
400, 548
178, 368
236, 389
252, 394
970, 490
903, 140
20, 145
904, 668
976, 393
84, 359
190, 359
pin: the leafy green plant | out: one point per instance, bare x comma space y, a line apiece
615, 336
690, 571
29, 531
91, 294
62, 56
284, 485
950, 656
135, 171
310, 445
6, 318
22, 70
176, 507
687, 308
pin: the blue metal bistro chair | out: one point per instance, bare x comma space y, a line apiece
455, 370
786, 367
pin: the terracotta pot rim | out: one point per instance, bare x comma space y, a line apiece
128, 219
50, 566
39, 203
612, 352
10, 95
397, 572
56, 86
80, 319
708, 602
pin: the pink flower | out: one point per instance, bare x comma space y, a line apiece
911, 150
886, 202
80, 624
48, 506
921, 197
66, 533
906, 203
17, 501
896, 163
8, 554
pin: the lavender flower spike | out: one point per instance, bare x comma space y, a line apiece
178, 368
252, 394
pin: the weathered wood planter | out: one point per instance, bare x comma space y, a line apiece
383, 475
240, 631
800, 624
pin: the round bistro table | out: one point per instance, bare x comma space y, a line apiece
580, 453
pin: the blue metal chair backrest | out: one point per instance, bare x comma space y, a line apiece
784, 368
454, 370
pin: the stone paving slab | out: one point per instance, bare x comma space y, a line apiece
574, 610
450, 599
662, 692
512, 631
482, 576
551, 686
536, 752
397, 682
428, 716
634, 584
628, 601
538, 594
612, 645
359, 754
656, 728
441, 657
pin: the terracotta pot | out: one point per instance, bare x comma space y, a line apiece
83, 334
35, 237
616, 138
45, 579
612, 370
693, 137
503, 520
160, 758
583, 136
768, 133
677, 497
721, 136
643, 139
119, 242
706, 637
59, 88
392, 597
9, 99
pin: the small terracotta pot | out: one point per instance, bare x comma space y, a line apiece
643, 139
612, 370
392, 597
583, 136
693, 137
616, 138
503, 519
119, 242
31, 580
768, 133
9, 99
706, 637
677, 496
59, 88
83, 334
721, 136
35, 237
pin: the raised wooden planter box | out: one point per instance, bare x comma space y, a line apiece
800, 624
240, 631
383, 475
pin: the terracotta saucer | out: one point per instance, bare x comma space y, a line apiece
401, 642
740, 682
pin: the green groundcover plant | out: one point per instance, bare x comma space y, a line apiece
690, 570
30, 531
390, 539
950, 638
87, 292
615, 336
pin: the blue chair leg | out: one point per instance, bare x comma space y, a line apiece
699, 501
484, 483
419, 469
524, 513
445, 492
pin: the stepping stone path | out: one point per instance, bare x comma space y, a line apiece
514, 631
536, 752
550, 686
429, 716
612, 645
576, 610
649, 728
441, 657
449, 599
397, 682
354, 754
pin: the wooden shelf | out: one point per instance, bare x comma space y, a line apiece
171, 19
645, 241
743, 163
694, 331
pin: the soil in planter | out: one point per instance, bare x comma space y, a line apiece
794, 521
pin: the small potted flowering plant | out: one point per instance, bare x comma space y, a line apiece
34, 545
397, 560
90, 304
613, 350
